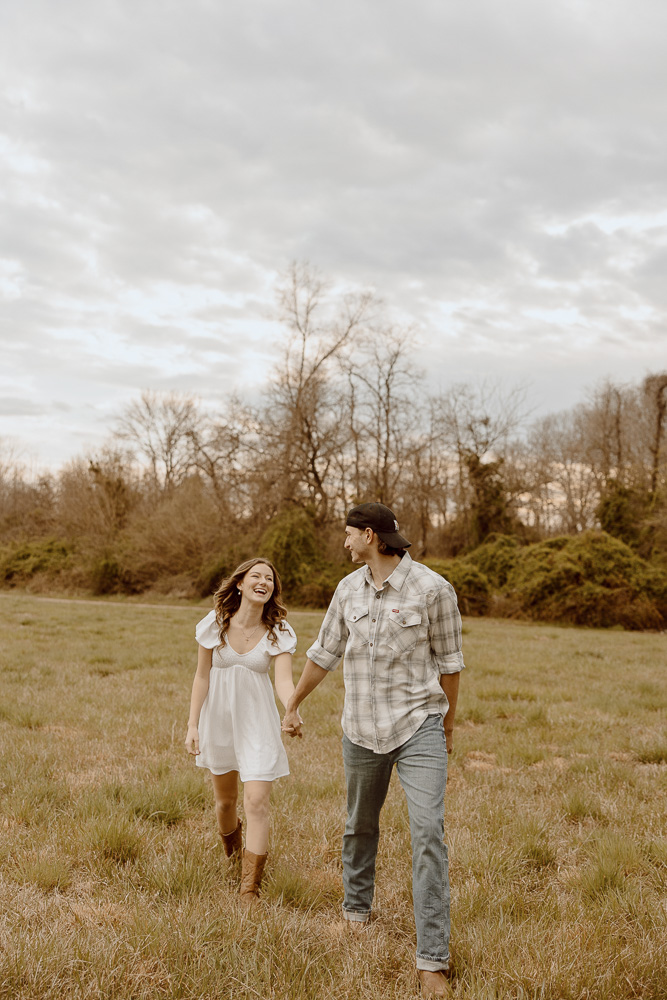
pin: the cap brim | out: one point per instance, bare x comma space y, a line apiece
394, 539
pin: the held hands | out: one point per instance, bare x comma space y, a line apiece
192, 740
292, 723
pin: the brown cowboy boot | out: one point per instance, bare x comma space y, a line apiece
252, 868
233, 842
434, 984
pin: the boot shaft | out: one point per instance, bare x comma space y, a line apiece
252, 869
233, 842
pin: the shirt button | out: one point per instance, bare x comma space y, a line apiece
373, 619
371, 645
378, 596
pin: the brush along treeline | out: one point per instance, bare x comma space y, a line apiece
180, 495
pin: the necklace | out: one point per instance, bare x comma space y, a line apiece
248, 636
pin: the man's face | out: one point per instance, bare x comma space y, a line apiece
357, 543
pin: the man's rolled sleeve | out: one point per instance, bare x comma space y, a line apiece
322, 657
452, 664
329, 646
446, 632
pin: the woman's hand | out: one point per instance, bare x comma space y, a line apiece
192, 740
292, 723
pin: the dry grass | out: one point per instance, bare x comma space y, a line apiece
112, 882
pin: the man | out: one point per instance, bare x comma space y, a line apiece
398, 624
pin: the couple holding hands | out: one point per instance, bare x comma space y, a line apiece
397, 624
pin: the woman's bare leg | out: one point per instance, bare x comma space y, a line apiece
226, 792
256, 796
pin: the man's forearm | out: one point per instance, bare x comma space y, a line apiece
312, 676
450, 685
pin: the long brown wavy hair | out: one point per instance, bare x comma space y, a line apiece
228, 600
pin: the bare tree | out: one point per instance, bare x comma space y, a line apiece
483, 417
655, 389
304, 411
160, 426
96, 496
11, 464
382, 410
427, 474
217, 449
480, 421
566, 483
27, 496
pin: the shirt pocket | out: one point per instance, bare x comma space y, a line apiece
404, 629
357, 625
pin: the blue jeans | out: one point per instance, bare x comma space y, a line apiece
421, 764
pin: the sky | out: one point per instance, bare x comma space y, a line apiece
496, 173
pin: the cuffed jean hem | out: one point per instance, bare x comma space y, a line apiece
432, 964
357, 916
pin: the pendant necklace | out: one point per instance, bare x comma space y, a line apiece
245, 634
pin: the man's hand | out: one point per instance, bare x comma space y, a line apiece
292, 723
310, 678
449, 737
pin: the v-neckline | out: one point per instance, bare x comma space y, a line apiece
247, 650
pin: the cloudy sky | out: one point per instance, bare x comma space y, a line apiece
497, 172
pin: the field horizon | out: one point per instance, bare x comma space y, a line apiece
113, 882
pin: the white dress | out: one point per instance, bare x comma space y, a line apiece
239, 725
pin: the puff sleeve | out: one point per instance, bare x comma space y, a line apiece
286, 640
207, 632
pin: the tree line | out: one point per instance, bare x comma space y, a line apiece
178, 495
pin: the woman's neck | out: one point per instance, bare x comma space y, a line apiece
248, 616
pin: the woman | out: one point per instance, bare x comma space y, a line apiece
234, 726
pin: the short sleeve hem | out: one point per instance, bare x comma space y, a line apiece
207, 632
286, 640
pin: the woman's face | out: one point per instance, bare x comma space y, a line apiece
257, 585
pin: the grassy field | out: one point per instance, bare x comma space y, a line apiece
113, 883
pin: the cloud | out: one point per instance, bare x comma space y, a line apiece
14, 406
495, 172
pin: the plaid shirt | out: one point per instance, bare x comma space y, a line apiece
396, 641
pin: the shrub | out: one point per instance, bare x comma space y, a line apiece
291, 543
655, 587
105, 575
590, 579
496, 558
214, 571
179, 533
45, 555
317, 587
471, 585
622, 511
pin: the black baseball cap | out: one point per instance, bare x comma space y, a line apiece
381, 520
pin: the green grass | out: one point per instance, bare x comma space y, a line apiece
112, 878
